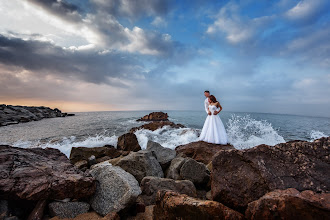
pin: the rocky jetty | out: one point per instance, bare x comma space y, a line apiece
155, 116
10, 114
156, 125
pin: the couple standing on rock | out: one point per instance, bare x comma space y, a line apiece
213, 130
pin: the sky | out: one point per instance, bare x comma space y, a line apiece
99, 55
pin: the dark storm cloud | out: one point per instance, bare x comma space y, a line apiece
44, 57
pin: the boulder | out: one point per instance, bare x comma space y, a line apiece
173, 171
128, 142
37, 174
290, 204
67, 209
140, 164
155, 116
156, 125
116, 188
38, 211
301, 165
150, 185
84, 153
172, 205
91, 216
195, 171
201, 151
163, 155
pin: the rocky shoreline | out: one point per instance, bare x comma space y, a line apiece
10, 114
195, 181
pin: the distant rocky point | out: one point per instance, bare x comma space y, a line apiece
155, 116
10, 114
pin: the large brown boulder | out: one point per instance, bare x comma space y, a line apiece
156, 125
239, 177
290, 204
155, 116
36, 174
172, 205
84, 153
128, 142
201, 151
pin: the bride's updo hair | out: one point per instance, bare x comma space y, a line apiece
212, 98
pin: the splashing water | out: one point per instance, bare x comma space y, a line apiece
316, 135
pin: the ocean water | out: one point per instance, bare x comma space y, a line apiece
96, 129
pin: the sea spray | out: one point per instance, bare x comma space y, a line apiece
316, 135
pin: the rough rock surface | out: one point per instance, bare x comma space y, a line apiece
150, 185
172, 205
68, 209
173, 171
10, 114
116, 188
156, 125
84, 153
128, 142
163, 155
290, 204
195, 171
140, 164
36, 174
201, 151
155, 116
91, 216
301, 165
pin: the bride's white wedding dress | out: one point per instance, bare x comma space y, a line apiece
213, 130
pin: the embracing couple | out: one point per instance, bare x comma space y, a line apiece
213, 130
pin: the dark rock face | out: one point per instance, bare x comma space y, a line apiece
195, 171
173, 171
68, 209
150, 186
128, 142
155, 116
84, 153
172, 205
201, 151
37, 174
140, 164
163, 155
241, 176
10, 114
156, 125
290, 204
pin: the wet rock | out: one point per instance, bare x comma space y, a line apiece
155, 116
201, 151
163, 155
67, 209
37, 174
140, 164
128, 142
156, 125
150, 185
116, 188
242, 176
172, 205
195, 172
290, 204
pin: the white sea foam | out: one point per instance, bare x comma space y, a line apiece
316, 135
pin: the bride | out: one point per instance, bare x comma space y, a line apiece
213, 130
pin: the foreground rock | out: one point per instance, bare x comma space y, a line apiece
128, 142
242, 176
116, 188
195, 171
68, 209
172, 205
290, 204
156, 125
37, 174
140, 164
164, 155
201, 151
155, 116
10, 114
91, 216
150, 185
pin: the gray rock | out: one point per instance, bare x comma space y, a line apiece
195, 171
116, 188
173, 171
150, 186
163, 155
140, 164
67, 209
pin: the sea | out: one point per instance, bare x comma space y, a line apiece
96, 129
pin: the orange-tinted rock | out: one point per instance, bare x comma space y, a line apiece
128, 142
155, 116
156, 125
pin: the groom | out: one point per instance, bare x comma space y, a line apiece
206, 102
